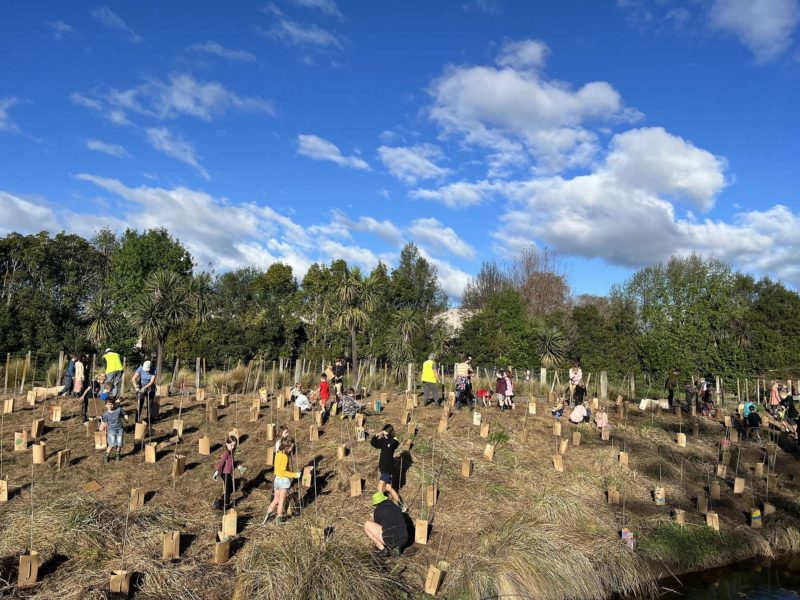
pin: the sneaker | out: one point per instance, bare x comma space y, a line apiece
119, 454
383, 553
280, 520
105, 458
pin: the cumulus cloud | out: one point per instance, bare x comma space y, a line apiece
171, 144
386, 230
25, 216
317, 148
438, 238
764, 26
179, 95
105, 148
460, 194
211, 47
112, 20
518, 116
410, 164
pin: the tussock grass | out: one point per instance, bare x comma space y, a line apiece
292, 563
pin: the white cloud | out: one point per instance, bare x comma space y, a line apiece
460, 194
113, 21
6, 122
317, 148
386, 230
25, 216
110, 149
327, 7
59, 28
296, 34
410, 164
523, 54
439, 239
163, 140
764, 26
211, 47
180, 95
451, 278
518, 116
491, 7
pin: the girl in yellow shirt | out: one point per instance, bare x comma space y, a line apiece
283, 480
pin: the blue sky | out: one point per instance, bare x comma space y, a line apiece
616, 132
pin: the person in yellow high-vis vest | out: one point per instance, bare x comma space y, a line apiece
430, 381
113, 371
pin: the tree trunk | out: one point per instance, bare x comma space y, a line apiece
353, 348
158, 361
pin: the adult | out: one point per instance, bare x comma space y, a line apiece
387, 529
338, 376
80, 375
69, 375
113, 371
144, 381
575, 377
670, 385
430, 381
463, 381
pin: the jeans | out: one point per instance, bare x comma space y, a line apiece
113, 379
114, 438
67, 389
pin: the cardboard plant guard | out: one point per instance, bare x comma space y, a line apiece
605, 434
313, 433
431, 495
681, 439
179, 465
204, 446
557, 429
3, 490
20, 441
355, 485
150, 453
558, 463
296, 413
576, 438
139, 429
680, 516
172, 546
715, 490
230, 522
485, 430
100, 440
612, 495
702, 504
466, 467
442, 425
488, 452
254, 414
38, 453
660, 496
623, 459
433, 580
137, 498
270, 430
421, 531
120, 582
222, 549
712, 520
177, 427
8, 406
341, 451
738, 485
55, 414
562, 446
62, 459
28, 570
37, 428
270, 458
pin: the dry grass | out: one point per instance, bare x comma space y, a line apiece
515, 527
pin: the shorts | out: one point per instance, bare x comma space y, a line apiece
386, 478
499, 398
282, 483
114, 438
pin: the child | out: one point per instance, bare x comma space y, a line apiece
500, 390
283, 480
324, 393
112, 423
225, 467
92, 391
350, 406
387, 444
580, 413
302, 401
509, 391
283, 433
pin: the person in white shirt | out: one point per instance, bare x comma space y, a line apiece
303, 402
579, 414
575, 377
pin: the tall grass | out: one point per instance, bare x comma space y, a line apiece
292, 563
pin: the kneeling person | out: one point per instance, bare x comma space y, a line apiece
387, 530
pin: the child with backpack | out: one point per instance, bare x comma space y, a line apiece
387, 444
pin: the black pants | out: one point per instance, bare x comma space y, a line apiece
224, 501
670, 397
146, 398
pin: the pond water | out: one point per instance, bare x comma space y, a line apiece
762, 580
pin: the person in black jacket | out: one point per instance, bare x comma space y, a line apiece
387, 444
387, 530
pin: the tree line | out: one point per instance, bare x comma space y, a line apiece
142, 294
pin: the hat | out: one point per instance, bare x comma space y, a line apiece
106, 397
146, 365
107, 350
378, 497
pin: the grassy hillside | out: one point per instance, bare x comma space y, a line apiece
515, 527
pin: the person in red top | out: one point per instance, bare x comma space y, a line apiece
225, 468
324, 392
